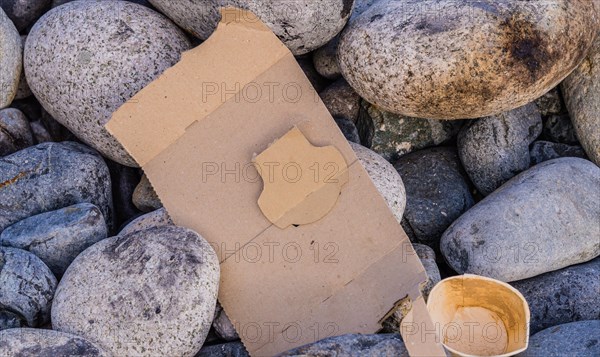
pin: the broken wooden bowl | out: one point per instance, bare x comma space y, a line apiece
479, 316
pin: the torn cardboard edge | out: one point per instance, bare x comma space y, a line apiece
183, 120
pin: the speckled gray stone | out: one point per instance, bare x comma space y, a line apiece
495, 149
57, 237
40, 133
56, 3
580, 339
303, 25
392, 135
144, 197
23, 90
46, 343
543, 219
24, 12
223, 326
318, 82
479, 59
385, 177
325, 58
427, 257
566, 295
348, 128
582, 94
550, 103
437, 192
15, 132
158, 218
541, 151
558, 128
50, 176
84, 59
341, 100
11, 60
9, 319
26, 285
151, 292
230, 349
353, 346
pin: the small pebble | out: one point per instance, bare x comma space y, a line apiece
144, 197
15, 132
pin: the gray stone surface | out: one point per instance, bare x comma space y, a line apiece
550, 103
46, 343
158, 218
223, 326
50, 176
230, 349
11, 60
56, 3
348, 128
303, 25
144, 197
318, 82
427, 256
580, 339
558, 128
581, 91
26, 286
392, 135
57, 237
385, 177
541, 151
566, 295
437, 192
478, 59
24, 12
544, 219
15, 132
151, 292
9, 319
495, 149
353, 346
23, 90
341, 100
40, 133
325, 60
84, 59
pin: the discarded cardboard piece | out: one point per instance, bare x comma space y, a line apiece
195, 131
480, 316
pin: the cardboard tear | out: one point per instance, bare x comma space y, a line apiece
301, 182
195, 130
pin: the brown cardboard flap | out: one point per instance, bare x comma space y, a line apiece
196, 139
301, 182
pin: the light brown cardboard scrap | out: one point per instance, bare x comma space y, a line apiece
195, 131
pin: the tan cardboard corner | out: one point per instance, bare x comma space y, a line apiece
196, 130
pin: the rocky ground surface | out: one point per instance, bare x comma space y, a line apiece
480, 128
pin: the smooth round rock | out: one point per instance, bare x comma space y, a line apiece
158, 218
56, 3
479, 58
566, 295
543, 219
26, 285
84, 59
353, 346
437, 192
385, 177
581, 339
50, 176
341, 100
150, 292
348, 128
392, 135
11, 60
427, 256
24, 12
494, 149
46, 343
144, 197
57, 237
541, 151
582, 95
303, 25
15, 132
40, 133
23, 90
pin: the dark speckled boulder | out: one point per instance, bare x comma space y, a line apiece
46, 343
565, 295
24, 12
447, 59
155, 289
353, 346
577, 339
50, 176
